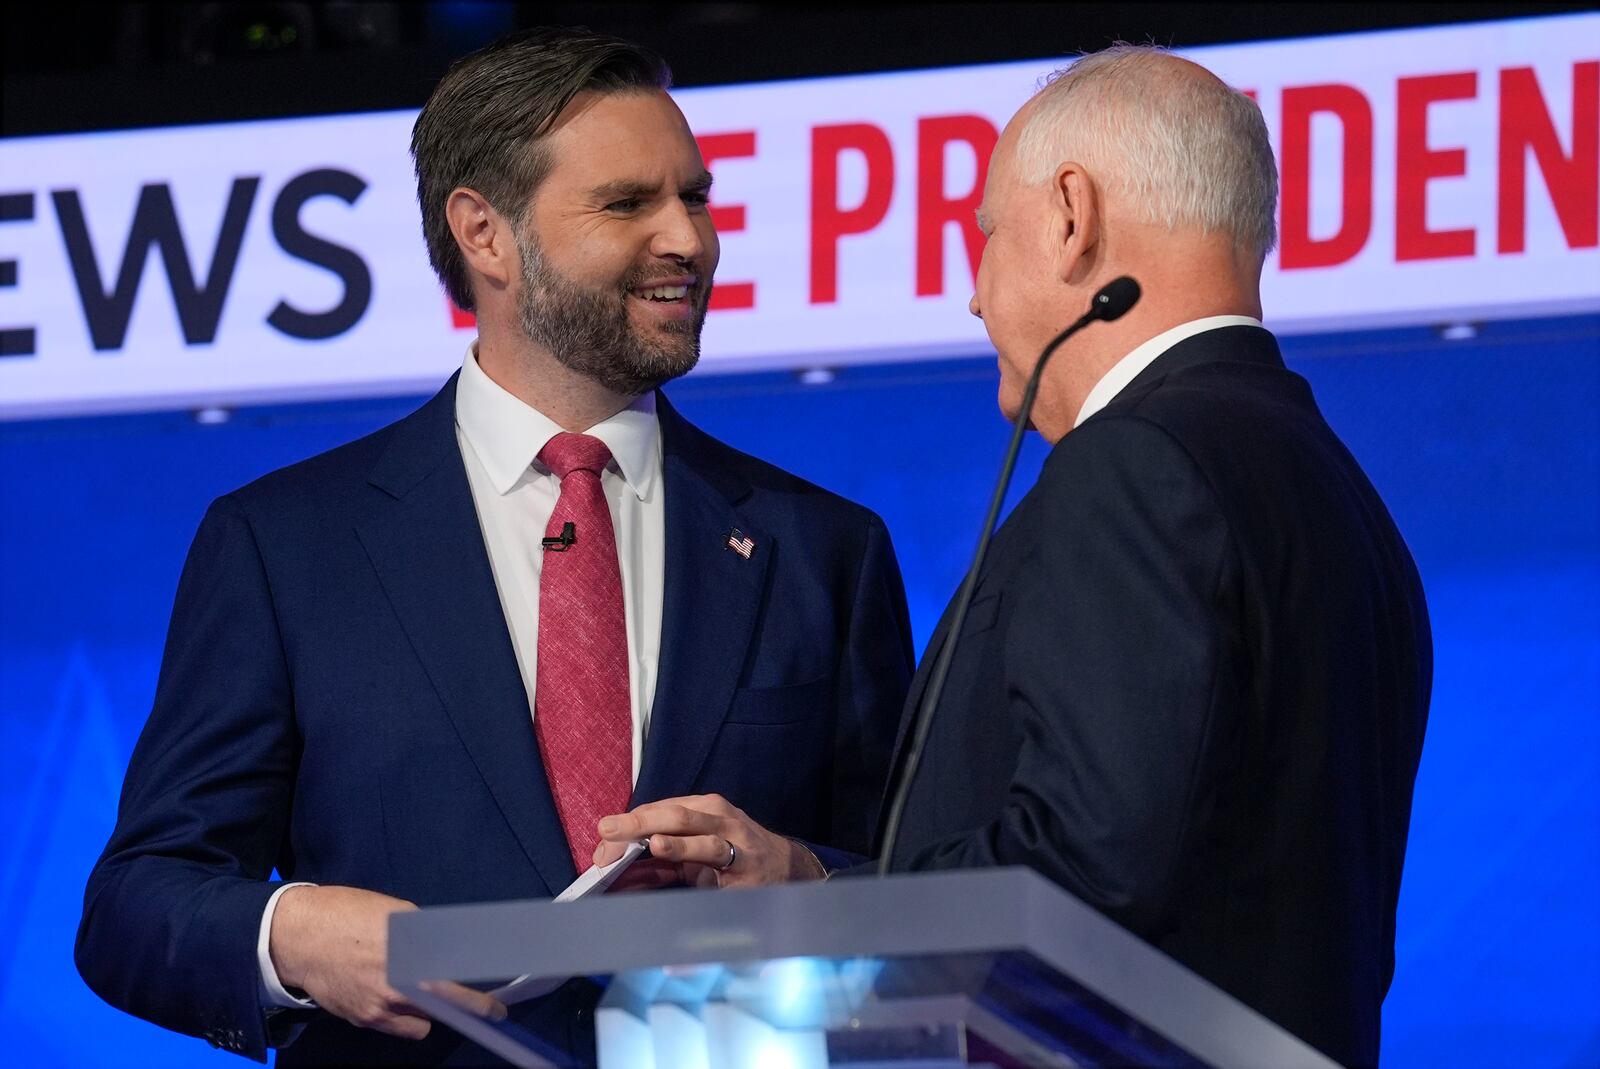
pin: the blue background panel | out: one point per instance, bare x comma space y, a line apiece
1487, 451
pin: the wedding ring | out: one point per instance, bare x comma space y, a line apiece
733, 855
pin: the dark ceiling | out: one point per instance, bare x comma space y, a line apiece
72, 65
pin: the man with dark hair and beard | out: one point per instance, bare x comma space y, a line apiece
419, 668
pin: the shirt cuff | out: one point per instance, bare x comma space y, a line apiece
273, 993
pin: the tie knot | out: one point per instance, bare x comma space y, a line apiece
574, 452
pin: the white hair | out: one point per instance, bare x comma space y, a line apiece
1190, 152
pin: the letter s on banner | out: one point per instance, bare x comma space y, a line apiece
347, 264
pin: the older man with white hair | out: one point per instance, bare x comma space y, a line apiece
1193, 683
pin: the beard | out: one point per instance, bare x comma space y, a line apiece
591, 331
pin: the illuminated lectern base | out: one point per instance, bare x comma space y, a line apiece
809, 1013
995, 967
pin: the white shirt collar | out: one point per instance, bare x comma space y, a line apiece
1127, 369
507, 433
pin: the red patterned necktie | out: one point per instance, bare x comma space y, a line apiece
583, 716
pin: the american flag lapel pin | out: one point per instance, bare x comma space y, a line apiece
741, 544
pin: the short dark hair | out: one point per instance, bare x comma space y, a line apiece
483, 124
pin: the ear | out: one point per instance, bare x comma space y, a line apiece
484, 237
1075, 200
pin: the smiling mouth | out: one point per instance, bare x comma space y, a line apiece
674, 292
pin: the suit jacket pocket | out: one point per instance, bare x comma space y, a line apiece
782, 705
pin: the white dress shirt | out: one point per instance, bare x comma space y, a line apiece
500, 439
1127, 369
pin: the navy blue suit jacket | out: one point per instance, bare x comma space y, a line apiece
1192, 688
339, 701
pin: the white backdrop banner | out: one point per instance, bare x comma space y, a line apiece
1428, 176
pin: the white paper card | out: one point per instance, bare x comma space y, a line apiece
593, 882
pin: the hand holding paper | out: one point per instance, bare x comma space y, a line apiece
713, 841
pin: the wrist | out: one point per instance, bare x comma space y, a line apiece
284, 940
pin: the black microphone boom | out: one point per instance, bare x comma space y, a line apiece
1110, 302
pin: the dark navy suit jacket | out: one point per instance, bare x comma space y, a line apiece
339, 701
1192, 689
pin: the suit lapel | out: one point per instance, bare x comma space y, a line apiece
429, 554
710, 606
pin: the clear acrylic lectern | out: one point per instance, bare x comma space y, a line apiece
992, 967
